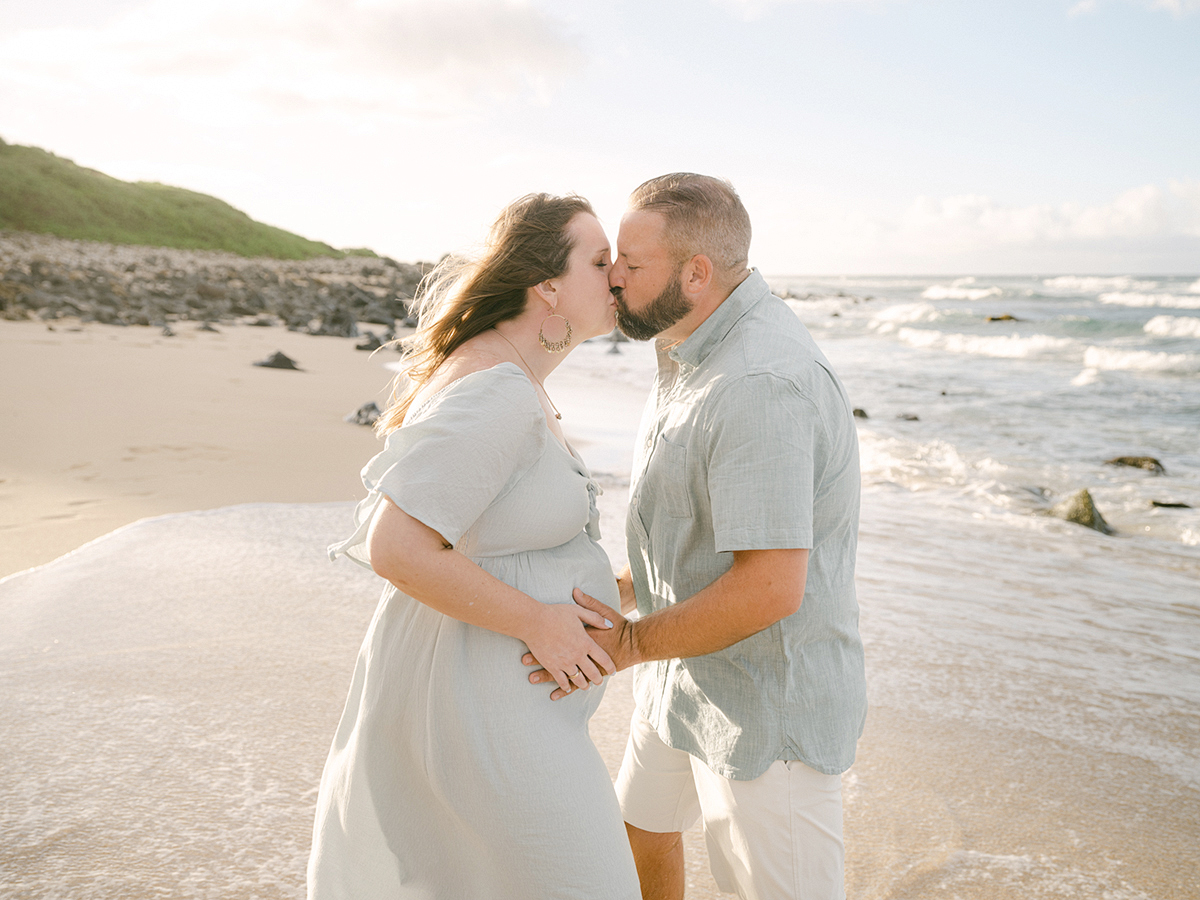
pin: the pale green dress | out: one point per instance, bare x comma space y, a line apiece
450, 775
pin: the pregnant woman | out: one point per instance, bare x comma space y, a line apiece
450, 775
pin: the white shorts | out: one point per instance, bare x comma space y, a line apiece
778, 837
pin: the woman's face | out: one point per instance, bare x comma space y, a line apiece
584, 296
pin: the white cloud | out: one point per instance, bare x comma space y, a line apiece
224, 58
754, 9
1177, 8
1151, 228
1144, 212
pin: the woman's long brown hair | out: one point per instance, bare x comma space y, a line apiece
460, 298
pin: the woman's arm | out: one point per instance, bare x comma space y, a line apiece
418, 561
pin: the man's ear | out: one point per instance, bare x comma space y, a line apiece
697, 275
547, 292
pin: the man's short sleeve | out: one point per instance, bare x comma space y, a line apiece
761, 445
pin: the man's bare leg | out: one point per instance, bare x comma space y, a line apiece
659, 858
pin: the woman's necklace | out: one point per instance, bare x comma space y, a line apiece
557, 414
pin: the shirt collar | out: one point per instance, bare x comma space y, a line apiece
693, 351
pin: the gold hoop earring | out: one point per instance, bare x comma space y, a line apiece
555, 346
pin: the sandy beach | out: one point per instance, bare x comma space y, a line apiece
171, 688
106, 425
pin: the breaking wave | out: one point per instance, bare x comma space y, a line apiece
1173, 326
888, 320
1107, 358
1171, 301
959, 289
1092, 284
1004, 346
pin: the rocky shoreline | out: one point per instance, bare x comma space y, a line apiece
45, 277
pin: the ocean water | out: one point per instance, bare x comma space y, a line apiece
1014, 415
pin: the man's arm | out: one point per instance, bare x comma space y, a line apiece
760, 588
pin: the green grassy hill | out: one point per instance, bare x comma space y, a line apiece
48, 194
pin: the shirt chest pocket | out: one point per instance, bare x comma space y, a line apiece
667, 478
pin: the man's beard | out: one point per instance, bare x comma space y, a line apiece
660, 313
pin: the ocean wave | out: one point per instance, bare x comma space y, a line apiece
1194, 287
1091, 284
1003, 346
1173, 326
1086, 377
1133, 298
959, 289
888, 320
1110, 359
910, 464
815, 310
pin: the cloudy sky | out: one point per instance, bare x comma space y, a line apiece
865, 136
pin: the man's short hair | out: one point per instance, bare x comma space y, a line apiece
703, 215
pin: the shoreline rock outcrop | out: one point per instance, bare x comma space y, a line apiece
45, 277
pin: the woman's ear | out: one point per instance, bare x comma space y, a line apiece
547, 292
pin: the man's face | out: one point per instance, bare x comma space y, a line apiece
645, 279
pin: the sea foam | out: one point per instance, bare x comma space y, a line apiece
1108, 358
1173, 326
1001, 346
960, 289
888, 320
1092, 284
1133, 298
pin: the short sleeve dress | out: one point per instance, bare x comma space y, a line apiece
450, 775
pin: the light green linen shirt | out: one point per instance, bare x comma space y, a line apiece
748, 442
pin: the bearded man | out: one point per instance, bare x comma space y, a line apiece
742, 531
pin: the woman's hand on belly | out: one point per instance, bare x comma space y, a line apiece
556, 638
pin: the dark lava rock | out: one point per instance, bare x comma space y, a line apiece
45, 277
1149, 463
860, 413
338, 322
370, 342
1004, 318
1080, 508
909, 417
366, 414
1163, 505
278, 360
167, 332
207, 326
